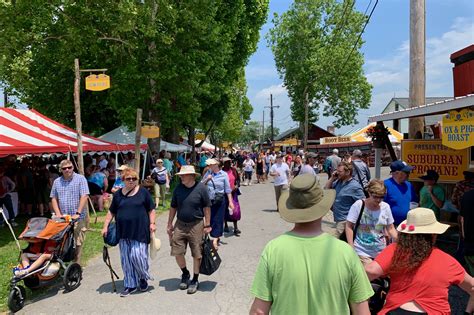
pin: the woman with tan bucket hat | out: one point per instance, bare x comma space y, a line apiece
420, 273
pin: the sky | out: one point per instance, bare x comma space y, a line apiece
449, 28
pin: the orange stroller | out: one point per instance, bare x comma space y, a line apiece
38, 231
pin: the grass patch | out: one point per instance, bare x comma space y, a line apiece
9, 254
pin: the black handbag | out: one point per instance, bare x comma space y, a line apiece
111, 238
218, 197
210, 258
343, 236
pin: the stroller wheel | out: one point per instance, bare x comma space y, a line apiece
16, 298
72, 277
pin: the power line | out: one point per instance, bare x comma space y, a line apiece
360, 35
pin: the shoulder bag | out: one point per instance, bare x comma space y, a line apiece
343, 236
356, 168
111, 238
218, 197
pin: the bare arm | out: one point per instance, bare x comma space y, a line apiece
392, 232
373, 270
350, 233
82, 203
207, 216
330, 181
260, 307
461, 224
436, 201
171, 216
54, 203
468, 284
152, 216
108, 218
361, 308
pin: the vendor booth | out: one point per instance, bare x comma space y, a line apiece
25, 131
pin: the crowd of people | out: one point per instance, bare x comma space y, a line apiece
389, 227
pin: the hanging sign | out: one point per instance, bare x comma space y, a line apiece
150, 131
200, 136
97, 82
458, 129
425, 155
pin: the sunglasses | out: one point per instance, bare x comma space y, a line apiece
159, 163
131, 179
66, 168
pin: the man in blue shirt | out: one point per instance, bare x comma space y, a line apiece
69, 196
348, 191
400, 191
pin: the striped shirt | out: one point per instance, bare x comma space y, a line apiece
69, 192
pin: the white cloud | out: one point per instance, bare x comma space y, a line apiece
391, 73
275, 90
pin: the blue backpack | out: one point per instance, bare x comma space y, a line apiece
327, 167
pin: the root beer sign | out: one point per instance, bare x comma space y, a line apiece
424, 155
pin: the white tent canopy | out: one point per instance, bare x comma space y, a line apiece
122, 135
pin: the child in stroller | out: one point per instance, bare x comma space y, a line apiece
38, 253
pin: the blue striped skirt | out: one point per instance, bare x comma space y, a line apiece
134, 259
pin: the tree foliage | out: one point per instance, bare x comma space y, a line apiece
181, 61
311, 43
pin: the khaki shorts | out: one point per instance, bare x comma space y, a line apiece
278, 191
187, 233
160, 191
80, 232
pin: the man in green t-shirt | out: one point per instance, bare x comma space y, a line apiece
432, 194
307, 271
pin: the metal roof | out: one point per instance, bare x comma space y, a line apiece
428, 109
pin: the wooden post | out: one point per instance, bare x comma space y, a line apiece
416, 126
138, 139
306, 122
77, 112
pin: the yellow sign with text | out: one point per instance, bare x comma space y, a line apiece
329, 140
150, 131
200, 136
97, 82
458, 129
425, 155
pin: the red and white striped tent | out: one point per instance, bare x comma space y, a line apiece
25, 131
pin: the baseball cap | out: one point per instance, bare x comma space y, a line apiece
430, 175
400, 166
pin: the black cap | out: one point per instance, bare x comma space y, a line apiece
430, 175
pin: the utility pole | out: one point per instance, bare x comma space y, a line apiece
263, 129
271, 116
77, 112
416, 126
138, 139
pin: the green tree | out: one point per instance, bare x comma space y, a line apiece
268, 132
178, 60
252, 131
312, 44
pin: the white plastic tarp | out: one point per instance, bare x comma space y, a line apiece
122, 135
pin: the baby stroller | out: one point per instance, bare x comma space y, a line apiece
41, 230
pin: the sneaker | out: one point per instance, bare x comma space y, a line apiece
237, 232
127, 291
143, 285
193, 287
226, 229
184, 281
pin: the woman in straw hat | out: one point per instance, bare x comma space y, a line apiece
420, 273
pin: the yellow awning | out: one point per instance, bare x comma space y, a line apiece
360, 136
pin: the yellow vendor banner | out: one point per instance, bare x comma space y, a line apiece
425, 155
458, 129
